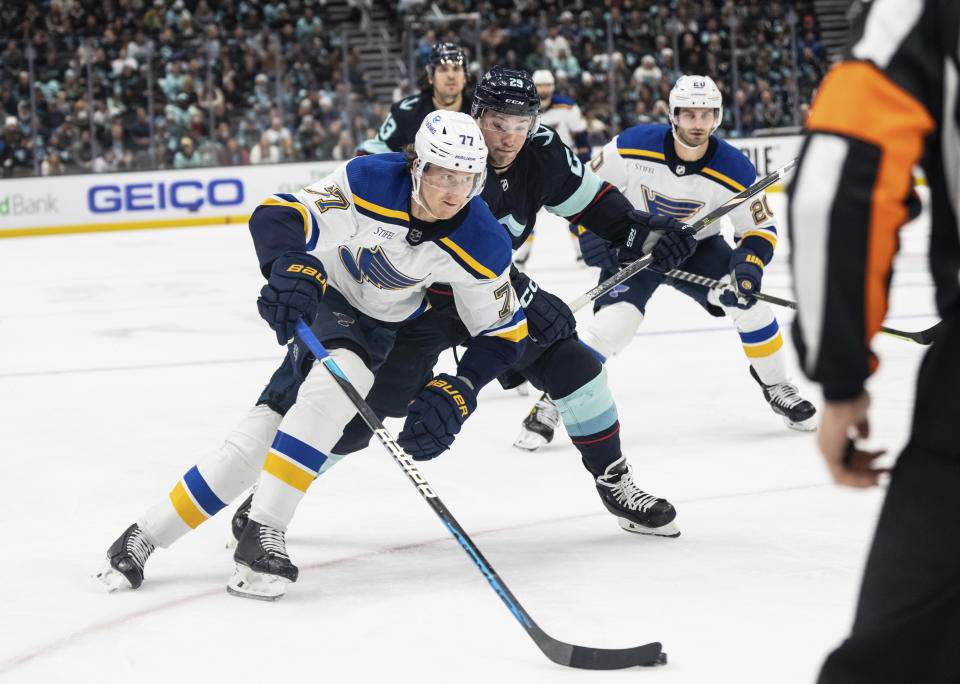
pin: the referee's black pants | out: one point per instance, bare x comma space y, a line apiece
907, 625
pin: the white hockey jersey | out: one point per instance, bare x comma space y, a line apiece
643, 164
564, 116
356, 222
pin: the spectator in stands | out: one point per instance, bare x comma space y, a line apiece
264, 152
186, 156
648, 72
554, 43
232, 154
107, 162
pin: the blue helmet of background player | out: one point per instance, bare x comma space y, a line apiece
445, 53
508, 91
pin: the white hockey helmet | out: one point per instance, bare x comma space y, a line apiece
451, 140
543, 76
695, 91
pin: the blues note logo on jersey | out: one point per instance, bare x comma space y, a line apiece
373, 266
680, 209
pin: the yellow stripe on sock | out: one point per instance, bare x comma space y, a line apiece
184, 506
285, 471
766, 349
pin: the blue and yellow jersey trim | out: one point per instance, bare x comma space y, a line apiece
730, 168
310, 231
764, 342
379, 199
480, 245
643, 142
514, 331
293, 462
723, 179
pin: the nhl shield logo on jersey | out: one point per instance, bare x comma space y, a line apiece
373, 266
681, 169
680, 209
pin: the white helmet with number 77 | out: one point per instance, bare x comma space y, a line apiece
451, 140
695, 91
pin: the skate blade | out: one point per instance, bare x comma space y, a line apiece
529, 441
808, 425
112, 579
668, 530
247, 583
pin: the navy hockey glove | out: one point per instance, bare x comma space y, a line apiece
435, 417
548, 318
746, 272
597, 252
294, 289
669, 241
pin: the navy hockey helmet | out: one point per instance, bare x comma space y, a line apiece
508, 91
445, 53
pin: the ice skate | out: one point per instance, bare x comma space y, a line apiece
240, 518
125, 560
263, 567
797, 412
636, 510
539, 425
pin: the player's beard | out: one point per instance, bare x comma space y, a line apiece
687, 140
444, 99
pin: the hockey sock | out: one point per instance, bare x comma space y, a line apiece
301, 448
612, 328
214, 481
590, 418
762, 341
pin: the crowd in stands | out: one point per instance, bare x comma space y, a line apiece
264, 81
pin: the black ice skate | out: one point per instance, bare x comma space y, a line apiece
539, 425
263, 567
797, 412
125, 560
240, 517
636, 510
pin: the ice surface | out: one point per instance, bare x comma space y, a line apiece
126, 355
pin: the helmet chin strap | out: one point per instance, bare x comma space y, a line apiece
677, 139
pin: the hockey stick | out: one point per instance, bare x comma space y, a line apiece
557, 651
714, 216
920, 337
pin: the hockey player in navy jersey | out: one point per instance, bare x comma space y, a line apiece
446, 80
684, 171
530, 168
563, 115
355, 255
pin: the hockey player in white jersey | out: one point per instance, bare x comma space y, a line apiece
684, 171
354, 254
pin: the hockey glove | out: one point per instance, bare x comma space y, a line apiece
435, 417
669, 241
294, 289
746, 272
597, 252
548, 318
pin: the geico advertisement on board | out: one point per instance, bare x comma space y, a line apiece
153, 199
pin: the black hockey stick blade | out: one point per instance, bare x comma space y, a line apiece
920, 337
714, 216
559, 652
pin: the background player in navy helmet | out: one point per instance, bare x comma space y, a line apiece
530, 168
685, 171
445, 88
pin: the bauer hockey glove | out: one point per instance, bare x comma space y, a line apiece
548, 318
666, 239
294, 289
436, 415
746, 272
597, 252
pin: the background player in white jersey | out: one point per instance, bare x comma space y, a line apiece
563, 115
684, 171
354, 254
